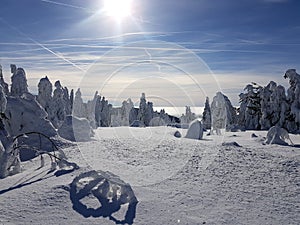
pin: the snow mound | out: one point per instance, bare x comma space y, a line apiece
195, 130
75, 129
25, 115
109, 190
177, 134
277, 135
233, 144
253, 135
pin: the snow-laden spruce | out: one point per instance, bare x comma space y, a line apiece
206, 116
268, 106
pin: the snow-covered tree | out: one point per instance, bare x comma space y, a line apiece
149, 113
189, 116
72, 99
58, 105
45, 94
78, 106
18, 81
133, 115
206, 116
164, 116
223, 113
105, 113
142, 109
250, 107
293, 98
67, 101
3, 83
125, 111
98, 108
91, 110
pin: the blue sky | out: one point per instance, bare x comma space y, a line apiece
176, 51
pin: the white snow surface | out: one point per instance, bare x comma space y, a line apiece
176, 180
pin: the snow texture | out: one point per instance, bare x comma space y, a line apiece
252, 184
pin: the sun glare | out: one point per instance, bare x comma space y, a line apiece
118, 9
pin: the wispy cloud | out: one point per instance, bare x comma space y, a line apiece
275, 1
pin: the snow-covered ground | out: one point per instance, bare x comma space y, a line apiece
176, 180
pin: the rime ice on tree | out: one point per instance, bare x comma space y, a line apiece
293, 98
45, 94
78, 107
250, 109
188, 116
206, 116
223, 113
142, 109
18, 81
58, 105
2, 82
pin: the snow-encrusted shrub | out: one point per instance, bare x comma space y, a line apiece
9, 159
195, 130
24, 114
277, 135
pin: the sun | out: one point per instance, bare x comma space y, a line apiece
118, 9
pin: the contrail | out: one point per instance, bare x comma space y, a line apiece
66, 5
41, 45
